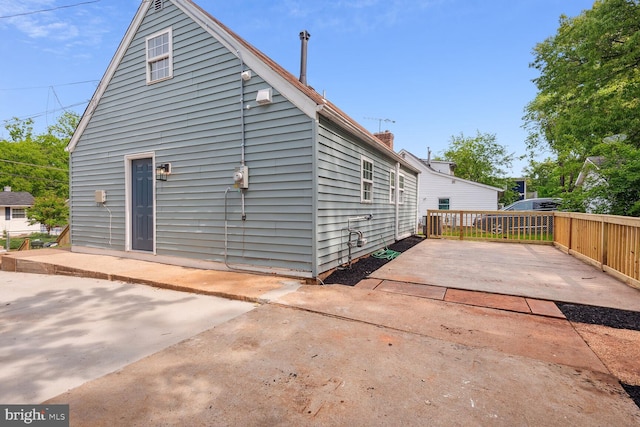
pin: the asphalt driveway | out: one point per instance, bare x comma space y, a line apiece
59, 332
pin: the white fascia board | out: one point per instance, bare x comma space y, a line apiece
284, 87
108, 75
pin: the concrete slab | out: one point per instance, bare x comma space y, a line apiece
536, 337
534, 271
423, 291
314, 369
227, 284
544, 308
59, 332
368, 283
484, 299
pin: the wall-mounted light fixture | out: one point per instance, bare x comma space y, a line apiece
163, 170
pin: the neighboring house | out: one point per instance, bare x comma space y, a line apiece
14, 204
197, 149
588, 178
439, 188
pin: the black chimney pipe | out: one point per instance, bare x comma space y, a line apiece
304, 37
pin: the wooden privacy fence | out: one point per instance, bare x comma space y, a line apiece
609, 242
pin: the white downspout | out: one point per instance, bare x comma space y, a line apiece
397, 213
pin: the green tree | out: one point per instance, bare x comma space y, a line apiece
37, 164
543, 177
49, 210
482, 159
588, 88
614, 186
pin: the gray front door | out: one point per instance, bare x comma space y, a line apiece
142, 204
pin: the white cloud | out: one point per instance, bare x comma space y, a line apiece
58, 29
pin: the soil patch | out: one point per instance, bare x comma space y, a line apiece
611, 317
363, 267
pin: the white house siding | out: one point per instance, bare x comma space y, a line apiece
462, 194
339, 156
16, 226
193, 122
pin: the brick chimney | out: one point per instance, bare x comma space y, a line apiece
386, 137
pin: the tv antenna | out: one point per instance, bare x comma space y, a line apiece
380, 122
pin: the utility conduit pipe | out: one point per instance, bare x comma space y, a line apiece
360, 241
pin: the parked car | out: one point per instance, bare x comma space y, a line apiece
521, 217
542, 204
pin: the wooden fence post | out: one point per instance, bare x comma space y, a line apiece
604, 244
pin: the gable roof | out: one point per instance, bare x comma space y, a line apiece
424, 166
16, 198
302, 96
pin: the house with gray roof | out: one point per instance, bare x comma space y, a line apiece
197, 149
14, 204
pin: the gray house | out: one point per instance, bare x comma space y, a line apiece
197, 149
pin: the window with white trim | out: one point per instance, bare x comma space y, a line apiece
392, 186
18, 213
366, 181
401, 188
159, 56
443, 203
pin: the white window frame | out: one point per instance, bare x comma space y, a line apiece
168, 55
448, 199
366, 182
401, 179
18, 213
392, 186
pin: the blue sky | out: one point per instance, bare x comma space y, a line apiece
437, 68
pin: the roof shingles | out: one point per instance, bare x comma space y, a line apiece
16, 198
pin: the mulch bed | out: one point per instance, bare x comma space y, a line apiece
613, 318
362, 268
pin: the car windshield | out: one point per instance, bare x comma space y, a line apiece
534, 205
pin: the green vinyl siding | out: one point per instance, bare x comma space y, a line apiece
339, 186
193, 121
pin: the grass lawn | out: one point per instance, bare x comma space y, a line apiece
15, 242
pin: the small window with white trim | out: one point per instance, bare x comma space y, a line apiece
400, 188
443, 203
366, 181
19, 213
392, 186
159, 56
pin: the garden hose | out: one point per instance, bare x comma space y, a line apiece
385, 253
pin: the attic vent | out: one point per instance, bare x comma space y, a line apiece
158, 4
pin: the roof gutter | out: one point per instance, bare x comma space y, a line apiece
336, 117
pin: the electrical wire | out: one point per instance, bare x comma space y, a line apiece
33, 12
31, 164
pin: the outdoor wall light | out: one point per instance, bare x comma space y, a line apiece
163, 170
